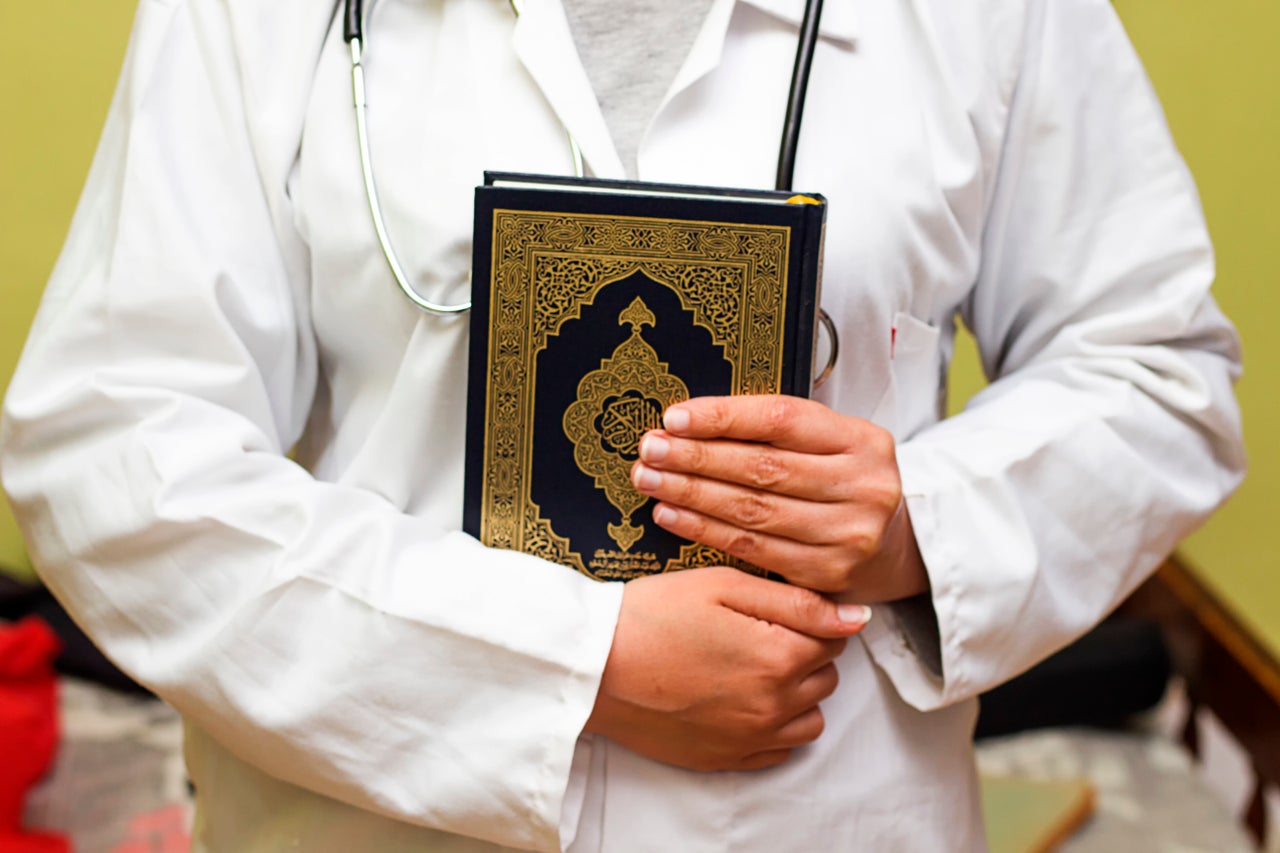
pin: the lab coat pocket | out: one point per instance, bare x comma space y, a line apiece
912, 400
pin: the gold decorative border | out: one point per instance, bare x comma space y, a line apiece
546, 266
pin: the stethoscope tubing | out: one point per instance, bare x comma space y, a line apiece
353, 35
796, 97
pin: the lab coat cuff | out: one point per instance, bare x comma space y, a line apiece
922, 660
580, 699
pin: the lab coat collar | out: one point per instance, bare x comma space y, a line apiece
839, 18
708, 47
544, 44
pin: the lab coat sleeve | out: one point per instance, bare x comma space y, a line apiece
1110, 430
312, 628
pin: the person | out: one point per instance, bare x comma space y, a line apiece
236, 450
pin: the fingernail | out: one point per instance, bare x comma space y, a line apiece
664, 515
854, 614
654, 448
645, 479
676, 420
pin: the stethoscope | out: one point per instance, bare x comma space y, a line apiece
353, 35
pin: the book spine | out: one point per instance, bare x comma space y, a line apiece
810, 277
478, 360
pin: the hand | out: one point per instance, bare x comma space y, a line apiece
790, 486
716, 669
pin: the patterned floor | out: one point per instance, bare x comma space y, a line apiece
119, 785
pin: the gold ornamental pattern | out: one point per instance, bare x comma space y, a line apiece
617, 404
545, 267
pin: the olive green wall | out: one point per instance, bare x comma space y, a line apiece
1211, 62
56, 86
1217, 71
1216, 67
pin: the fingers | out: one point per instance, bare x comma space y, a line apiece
809, 521
758, 467
762, 760
824, 567
818, 685
804, 729
715, 669
813, 498
774, 553
801, 610
866, 469
788, 422
815, 518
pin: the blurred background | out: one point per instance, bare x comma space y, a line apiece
1218, 611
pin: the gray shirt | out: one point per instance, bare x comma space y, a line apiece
632, 51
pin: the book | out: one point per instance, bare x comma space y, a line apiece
596, 305
1024, 815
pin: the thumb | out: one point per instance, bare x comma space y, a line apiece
799, 609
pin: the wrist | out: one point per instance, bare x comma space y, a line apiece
898, 571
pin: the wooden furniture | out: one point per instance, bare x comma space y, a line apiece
1226, 669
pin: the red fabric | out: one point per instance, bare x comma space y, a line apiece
162, 831
35, 842
28, 726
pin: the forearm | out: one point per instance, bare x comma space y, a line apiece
317, 631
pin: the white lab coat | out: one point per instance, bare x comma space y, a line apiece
357, 674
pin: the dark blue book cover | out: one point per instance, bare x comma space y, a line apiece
595, 306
